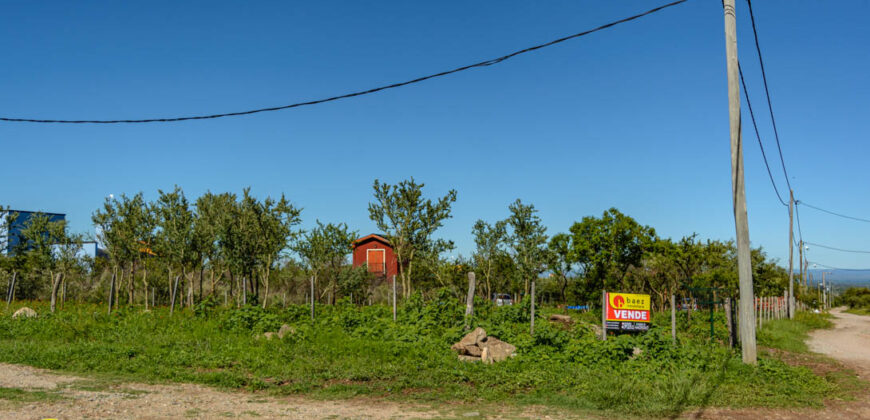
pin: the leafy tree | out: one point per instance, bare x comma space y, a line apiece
37, 236
324, 249
408, 221
607, 247
490, 242
527, 240
440, 267
273, 232
126, 229
213, 222
175, 233
561, 261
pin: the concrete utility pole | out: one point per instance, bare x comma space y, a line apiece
824, 291
801, 263
744, 262
790, 254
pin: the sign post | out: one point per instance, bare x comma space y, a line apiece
627, 312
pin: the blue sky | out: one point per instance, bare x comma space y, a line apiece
634, 117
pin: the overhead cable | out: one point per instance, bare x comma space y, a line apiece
758, 136
353, 94
837, 268
804, 203
836, 249
767, 93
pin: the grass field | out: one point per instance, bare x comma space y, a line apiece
354, 351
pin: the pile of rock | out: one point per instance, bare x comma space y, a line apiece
477, 347
24, 312
283, 331
565, 320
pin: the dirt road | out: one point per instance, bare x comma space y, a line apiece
38, 394
30, 393
848, 342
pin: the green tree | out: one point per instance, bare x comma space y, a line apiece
490, 241
408, 221
561, 261
607, 247
174, 242
324, 250
527, 240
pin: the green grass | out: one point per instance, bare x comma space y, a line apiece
859, 311
358, 351
791, 335
18, 395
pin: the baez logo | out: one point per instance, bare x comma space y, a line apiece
628, 307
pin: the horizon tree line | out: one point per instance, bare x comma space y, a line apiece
252, 251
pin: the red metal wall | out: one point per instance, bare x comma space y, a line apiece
360, 251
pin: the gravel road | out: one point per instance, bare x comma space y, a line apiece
74, 397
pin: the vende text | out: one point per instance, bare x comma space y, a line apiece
632, 315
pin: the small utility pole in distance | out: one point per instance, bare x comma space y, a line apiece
801, 262
394, 298
312, 298
790, 254
744, 262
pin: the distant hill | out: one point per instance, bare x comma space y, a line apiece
843, 278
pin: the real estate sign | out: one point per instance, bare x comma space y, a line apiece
627, 312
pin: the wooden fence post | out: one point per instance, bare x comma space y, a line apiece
174, 295
729, 318
469, 299
54, 288
394, 298
532, 324
673, 319
112, 292
312, 298
604, 315
11, 288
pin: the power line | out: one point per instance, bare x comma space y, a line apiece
767, 93
797, 216
803, 203
758, 136
358, 93
837, 268
837, 249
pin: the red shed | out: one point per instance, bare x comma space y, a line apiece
375, 252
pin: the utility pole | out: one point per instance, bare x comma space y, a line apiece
801, 262
738, 190
790, 254
824, 291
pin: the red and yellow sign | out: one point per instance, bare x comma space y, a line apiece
628, 307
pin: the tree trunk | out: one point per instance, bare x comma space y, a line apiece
145, 283
54, 287
112, 289
130, 285
11, 288
266, 290
116, 286
173, 294
62, 291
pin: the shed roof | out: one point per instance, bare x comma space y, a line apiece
372, 237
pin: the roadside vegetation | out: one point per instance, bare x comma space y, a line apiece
856, 299
352, 350
185, 290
